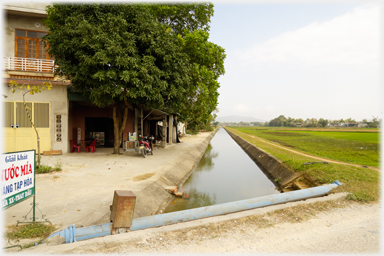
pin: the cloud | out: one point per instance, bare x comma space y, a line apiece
329, 69
348, 40
241, 108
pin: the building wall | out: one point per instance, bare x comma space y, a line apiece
29, 16
57, 96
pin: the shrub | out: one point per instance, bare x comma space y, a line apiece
58, 166
45, 169
33, 230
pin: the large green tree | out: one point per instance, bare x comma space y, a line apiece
142, 54
118, 54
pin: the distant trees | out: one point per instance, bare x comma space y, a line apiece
282, 121
375, 123
323, 122
278, 121
311, 122
257, 123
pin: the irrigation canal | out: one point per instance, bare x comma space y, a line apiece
224, 174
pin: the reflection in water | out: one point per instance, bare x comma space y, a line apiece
198, 199
224, 174
206, 162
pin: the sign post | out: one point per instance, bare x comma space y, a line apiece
18, 180
18, 177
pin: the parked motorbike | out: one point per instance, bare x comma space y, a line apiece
145, 145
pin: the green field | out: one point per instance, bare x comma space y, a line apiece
356, 146
351, 146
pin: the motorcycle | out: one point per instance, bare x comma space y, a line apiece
145, 145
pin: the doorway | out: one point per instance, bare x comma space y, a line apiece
100, 128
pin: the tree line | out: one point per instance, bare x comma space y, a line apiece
321, 122
282, 121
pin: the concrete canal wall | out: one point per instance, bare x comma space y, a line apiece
154, 197
272, 167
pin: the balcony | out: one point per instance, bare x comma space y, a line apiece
29, 64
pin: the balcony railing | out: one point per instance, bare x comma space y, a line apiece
29, 64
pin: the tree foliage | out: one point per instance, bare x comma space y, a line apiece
116, 52
190, 22
184, 18
206, 65
278, 121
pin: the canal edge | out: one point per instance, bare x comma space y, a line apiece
154, 198
273, 168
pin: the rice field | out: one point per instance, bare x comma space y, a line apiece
358, 146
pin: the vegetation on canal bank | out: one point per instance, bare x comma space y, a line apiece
29, 231
361, 183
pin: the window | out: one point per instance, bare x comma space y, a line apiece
22, 118
41, 114
30, 45
9, 114
15, 115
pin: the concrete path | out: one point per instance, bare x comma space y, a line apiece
354, 229
82, 193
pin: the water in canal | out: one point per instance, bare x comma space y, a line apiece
224, 174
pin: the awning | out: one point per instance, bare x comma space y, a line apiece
77, 96
154, 114
35, 82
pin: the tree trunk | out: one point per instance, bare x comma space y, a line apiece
116, 144
118, 127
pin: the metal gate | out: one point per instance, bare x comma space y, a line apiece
19, 135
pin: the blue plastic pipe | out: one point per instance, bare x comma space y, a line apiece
72, 235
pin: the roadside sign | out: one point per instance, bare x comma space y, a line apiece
17, 177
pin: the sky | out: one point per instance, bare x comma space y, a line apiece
300, 60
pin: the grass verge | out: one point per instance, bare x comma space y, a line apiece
361, 183
29, 231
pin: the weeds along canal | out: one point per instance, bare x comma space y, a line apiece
224, 174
